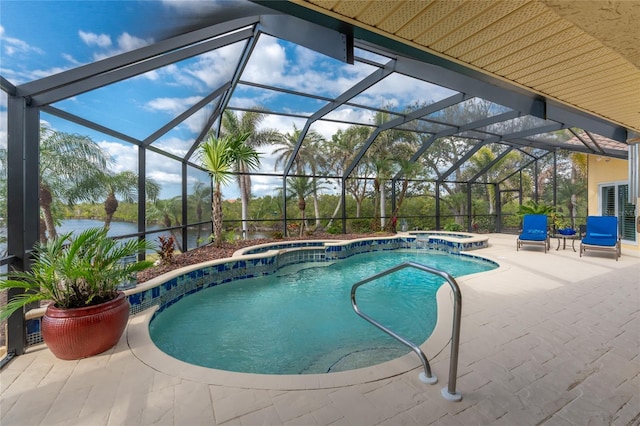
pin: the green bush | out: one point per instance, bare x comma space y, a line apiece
334, 229
452, 227
358, 226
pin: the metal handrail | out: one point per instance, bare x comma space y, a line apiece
449, 392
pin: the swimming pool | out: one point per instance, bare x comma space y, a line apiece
300, 321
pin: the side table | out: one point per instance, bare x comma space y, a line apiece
563, 238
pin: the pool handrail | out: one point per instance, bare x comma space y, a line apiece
449, 392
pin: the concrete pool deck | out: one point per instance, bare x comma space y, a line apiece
546, 339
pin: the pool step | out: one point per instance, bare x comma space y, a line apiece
345, 359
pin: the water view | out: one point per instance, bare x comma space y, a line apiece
194, 237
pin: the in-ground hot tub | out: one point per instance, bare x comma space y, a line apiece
452, 242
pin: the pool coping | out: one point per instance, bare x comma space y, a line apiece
142, 346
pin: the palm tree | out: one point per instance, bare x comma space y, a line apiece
67, 162
108, 186
343, 148
309, 155
169, 212
408, 169
381, 156
201, 194
219, 156
302, 186
247, 123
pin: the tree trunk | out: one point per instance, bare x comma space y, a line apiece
199, 219
375, 225
43, 231
110, 207
383, 205
335, 213
302, 205
244, 198
216, 215
394, 214
316, 208
45, 205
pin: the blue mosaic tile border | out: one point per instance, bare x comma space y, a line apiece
436, 242
173, 290
282, 246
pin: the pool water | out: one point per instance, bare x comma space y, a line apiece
300, 320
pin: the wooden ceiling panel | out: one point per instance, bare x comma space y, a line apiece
542, 55
518, 38
378, 11
404, 15
497, 11
351, 8
325, 4
524, 76
456, 19
437, 12
582, 53
494, 30
600, 92
546, 82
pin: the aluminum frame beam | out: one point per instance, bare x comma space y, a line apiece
429, 109
186, 114
488, 167
355, 90
515, 135
469, 126
72, 76
91, 83
226, 96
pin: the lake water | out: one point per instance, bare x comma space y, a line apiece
125, 228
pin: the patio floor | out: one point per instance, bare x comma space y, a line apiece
548, 339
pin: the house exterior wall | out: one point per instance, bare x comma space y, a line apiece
604, 170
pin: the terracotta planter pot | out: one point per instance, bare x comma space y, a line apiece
83, 332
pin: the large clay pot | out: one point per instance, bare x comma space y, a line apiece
83, 332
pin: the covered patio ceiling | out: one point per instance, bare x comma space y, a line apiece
584, 54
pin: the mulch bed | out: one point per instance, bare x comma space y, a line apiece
210, 252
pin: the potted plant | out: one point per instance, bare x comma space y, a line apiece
79, 275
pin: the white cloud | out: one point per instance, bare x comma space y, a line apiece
13, 46
92, 39
172, 105
217, 67
176, 106
71, 59
174, 145
126, 42
267, 63
125, 156
162, 177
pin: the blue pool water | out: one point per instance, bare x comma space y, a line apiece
300, 320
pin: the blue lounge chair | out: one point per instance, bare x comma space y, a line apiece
602, 234
534, 231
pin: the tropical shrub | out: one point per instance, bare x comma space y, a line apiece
75, 271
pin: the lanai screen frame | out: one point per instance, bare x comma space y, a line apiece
27, 101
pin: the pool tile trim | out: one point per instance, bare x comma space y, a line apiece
266, 259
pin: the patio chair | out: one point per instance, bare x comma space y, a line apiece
534, 231
601, 234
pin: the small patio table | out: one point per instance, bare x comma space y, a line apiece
564, 238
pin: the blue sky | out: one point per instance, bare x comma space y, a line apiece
41, 38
